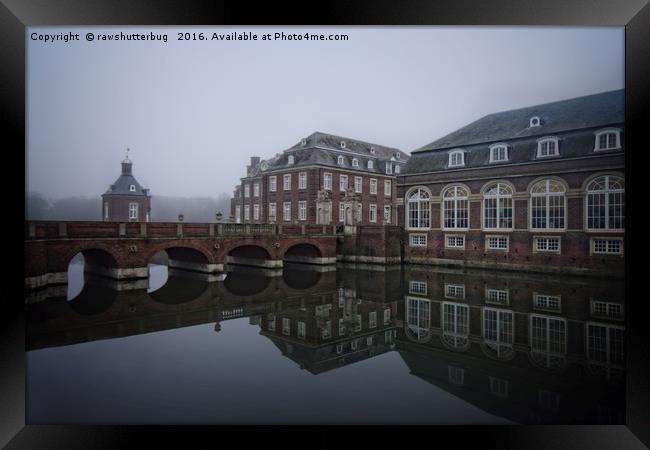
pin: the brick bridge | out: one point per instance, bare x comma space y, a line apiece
123, 250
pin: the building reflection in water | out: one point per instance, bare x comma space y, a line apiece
525, 347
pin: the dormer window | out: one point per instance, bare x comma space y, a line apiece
547, 147
371, 165
132, 188
355, 162
535, 121
342, 144
389, 168
372, 150
303, 142
397, 169
291, 159
498, 153
397, 156
341, 160
607, 140
457, 158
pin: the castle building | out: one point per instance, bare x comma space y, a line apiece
536, 186
126, 200
321, 180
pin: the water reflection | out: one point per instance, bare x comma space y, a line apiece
431, 345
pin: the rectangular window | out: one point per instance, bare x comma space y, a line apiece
496, 243
357, 326
497, 296
287, 182
343, 182
499, 386
546, 244
373, 213
272, 212
273, 183
387, 188
607, 309
607, 246
341, 212
247, 212
499, 153
456, 159
454, 241
498, 329
547, 148
456, 375
455, 291
372, 319
247, 190
327, 181
256, 190
302, 180
302, 210
341, 327
373, 185
389, 168
357, 184
547, 302
418, 240
286, 211
286, 326
326, 331
302, 329
548, 340
256, 212
106, 211
418, 287
133, 210
605, 344
387, 213
237, 214
271, 322
386, 316
369, 341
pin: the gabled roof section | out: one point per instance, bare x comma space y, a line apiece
333, 142
589, 111
122, 185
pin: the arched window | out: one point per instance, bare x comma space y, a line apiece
371, 165
607, 140
132, 188
341, 160
547, 147
455, 325
355, 162
455, 207
497, 207
418, 318
547, 200
418, 209
605, 203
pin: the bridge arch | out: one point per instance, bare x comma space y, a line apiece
179, 288
95, 297
246, 282
253, 254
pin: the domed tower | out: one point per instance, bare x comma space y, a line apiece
126, 200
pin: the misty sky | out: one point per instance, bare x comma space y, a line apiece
193, 112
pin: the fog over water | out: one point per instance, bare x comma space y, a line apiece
192, 112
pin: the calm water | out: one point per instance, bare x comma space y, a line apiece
352, 345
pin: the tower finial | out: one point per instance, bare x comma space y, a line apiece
127, 152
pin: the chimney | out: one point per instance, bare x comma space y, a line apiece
255, 160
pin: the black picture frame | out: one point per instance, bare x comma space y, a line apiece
16, 15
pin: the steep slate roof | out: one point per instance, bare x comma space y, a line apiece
122, 184
581, 112
322, 148
573, 121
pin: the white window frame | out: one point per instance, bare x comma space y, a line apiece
548, 139
417, 287
387, 214
371, 165
302, 180
535, 121
495, 150
327, 181
273, 183
358, 185
545, 302
133, 211
132, 188
608, 306
247, 212
417, 240
341, 212
106, 211
372, 319
593, 246
615, 131
247, 190
256, 190
286, 208
537, 240
343, 182
422, 200
271, 322
453, 158
256, 212
488, 239
389, 168
302, 210
286, 182
273, 212
502, 338
372, 216
237, 214
458, 331
291, 159
500, 208
387, 316
388, 188
546, 196
499, 297
373, 185
340, 160
302, 330
607, 192
547, 350
589, 350
355, 162
398, 169
455, 291
460, 194
448, 237
286, 326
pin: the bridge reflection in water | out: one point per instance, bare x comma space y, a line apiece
387, 344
